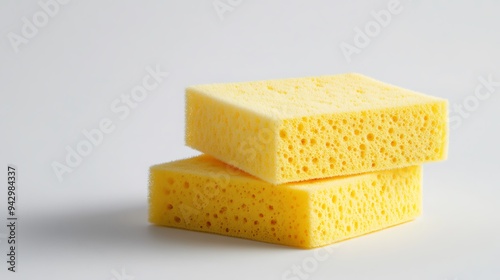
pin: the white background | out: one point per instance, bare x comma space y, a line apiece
93, 224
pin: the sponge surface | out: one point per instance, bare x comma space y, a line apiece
307, 128
204, 194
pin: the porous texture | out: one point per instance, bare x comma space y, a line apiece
308, 128
204, 194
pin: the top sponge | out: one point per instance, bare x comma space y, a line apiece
307, 128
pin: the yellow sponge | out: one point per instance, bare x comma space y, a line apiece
205, 194
308, 128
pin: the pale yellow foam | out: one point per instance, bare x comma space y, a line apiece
204, 194
307, 128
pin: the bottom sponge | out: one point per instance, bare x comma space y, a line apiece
204, 194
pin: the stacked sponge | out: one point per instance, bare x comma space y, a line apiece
303, 162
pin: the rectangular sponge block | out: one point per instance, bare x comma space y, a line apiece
307, 128
204, 194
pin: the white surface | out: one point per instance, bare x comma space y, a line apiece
93, 223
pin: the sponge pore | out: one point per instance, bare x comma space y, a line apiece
306, 128
204, 194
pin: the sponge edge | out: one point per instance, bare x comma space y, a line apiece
307, 128
204, 194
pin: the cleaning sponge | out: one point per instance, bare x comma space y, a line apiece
308, 128
204, 194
